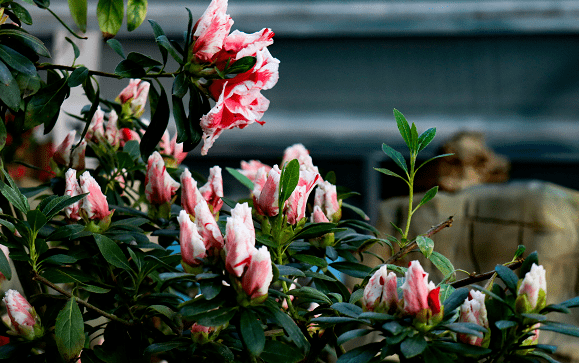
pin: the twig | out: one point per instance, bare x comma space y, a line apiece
412, 245
484, 276
96, 73
37, 277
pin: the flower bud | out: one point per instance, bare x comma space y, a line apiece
326, 198
72, 190
25, 321
64, 155
239, 240
532, 291
318, 216
159, 186
268, 197
190, 195
112, 134
381, 294
134, 97
249, 169
129, 135
421, 298
297, 202
212, 191
256, 280
95, 203
200, 334
96, 130
208, 228
473, 310
192, 245
299, 152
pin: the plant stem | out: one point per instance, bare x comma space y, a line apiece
96, 73
410, 195
37, 277
481, 277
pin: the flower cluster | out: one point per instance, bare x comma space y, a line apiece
239, 101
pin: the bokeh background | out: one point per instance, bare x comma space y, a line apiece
507, 68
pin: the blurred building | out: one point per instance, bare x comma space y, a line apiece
507, 68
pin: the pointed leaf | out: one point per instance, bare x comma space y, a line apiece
414, 138
277, 352
21, 13
426, 245
13, 194
389, 172
361, 354
111, 252
290, 176
396, 156
26, 39
35, 219
5, 268
136, 13
17, 61
69, 330
241, 178
143, 60
425, 138
508, 277
431, 193
532, 258
164, 42
78, 11
9, 90
117, 47
289, 326
78, 77
403, 128
433, 158
442, 263
455, 300
157, 127
251, 332
44, 105
110, 15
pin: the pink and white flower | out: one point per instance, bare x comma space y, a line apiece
129, 135
96, 130
239, 44
159, 186
473, 310
192, 245
134, 96
421, 298
190, 195
256, 280
112, 133
381, 295
64, 155
25, 321
208, 228
72, 189
210, 32
173, 150
249, 169
297, 202
212, 191
326, 198
95, 204
239, 240
532, 291
266, 198
318, 216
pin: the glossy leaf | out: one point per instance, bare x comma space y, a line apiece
165, 43
111, 252
13, 194
289, 326
289, 271
508, 277
442, 263
431, 193
347, 309
9, 90
532, 258
78, 77
44, 106
352, 269
466, 328
136, 13
117, 47
35, 219
27, 40
455, 300
129, 69
290, 176
433, 158
69, 330
157, 31
74, 47
5, 268
411, 347
426, 245
241, 178
216, 317
157, 127
396, 156
314, 230
78, 11
21, 13
425, 138
403, 128
17, 61
275, 351
390, 173
110, 15
505, 324
361, 354
251, 332
242, 65
143, 60
561, 328
352, 334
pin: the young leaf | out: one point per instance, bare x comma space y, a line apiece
111, 252
532, 258
251, 332
78, 77
165, 43
78, 11
426, 245
389, 172
414, 138
425, 138
356, 210
241, 178
69, 331
110, 15
157, 31
403, 128
431, 193
136, 13
290, 176
117, 47
396, 156
35, 219
442, 263
13, 194
433, 158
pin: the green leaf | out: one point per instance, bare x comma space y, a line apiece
465, 328
166, 346
352, 269
411, 347
69, 330
532, 258
59, 203
347, 309
60, 259
241, 178
21, 13
396, 156
289, 271
17, 61
275, 351
561, 328
164, 42
64, 275
44, 105
74, 47
433, 158
543, 355
314, 230
403, 128
3, 136
442, 263
110, 15
215, 317
312, 260
520, 250
157, 31
508, 277
129, 69
36, 220
505, 324
426, 245
136, 13
431, 193
111, 252
455, 300
95, 289
180, 85
27, 40
414, 137
290, 176
251, 332
78, 77
310, 293
356, 296
352, 334
157, 127
389, 172
571, 303
361, 354
242, 65
78, 11
290, 327
425, 138
117, 47
9, 90
5, 265
143, 60
460, 348
13, 194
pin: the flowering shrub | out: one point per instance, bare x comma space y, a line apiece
175, 275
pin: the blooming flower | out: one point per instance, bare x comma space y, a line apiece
159, 186
473, 310
95, 203
249, 169
212, 191
190, 195
421, 298
192, 245
72, 189
239, 100
296, 203
173, 150
239, 44
326, 198
134, 97
64, 155
266, 199
210, 31
24, 320
239, 240
381, 295
256, 280
532, 291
